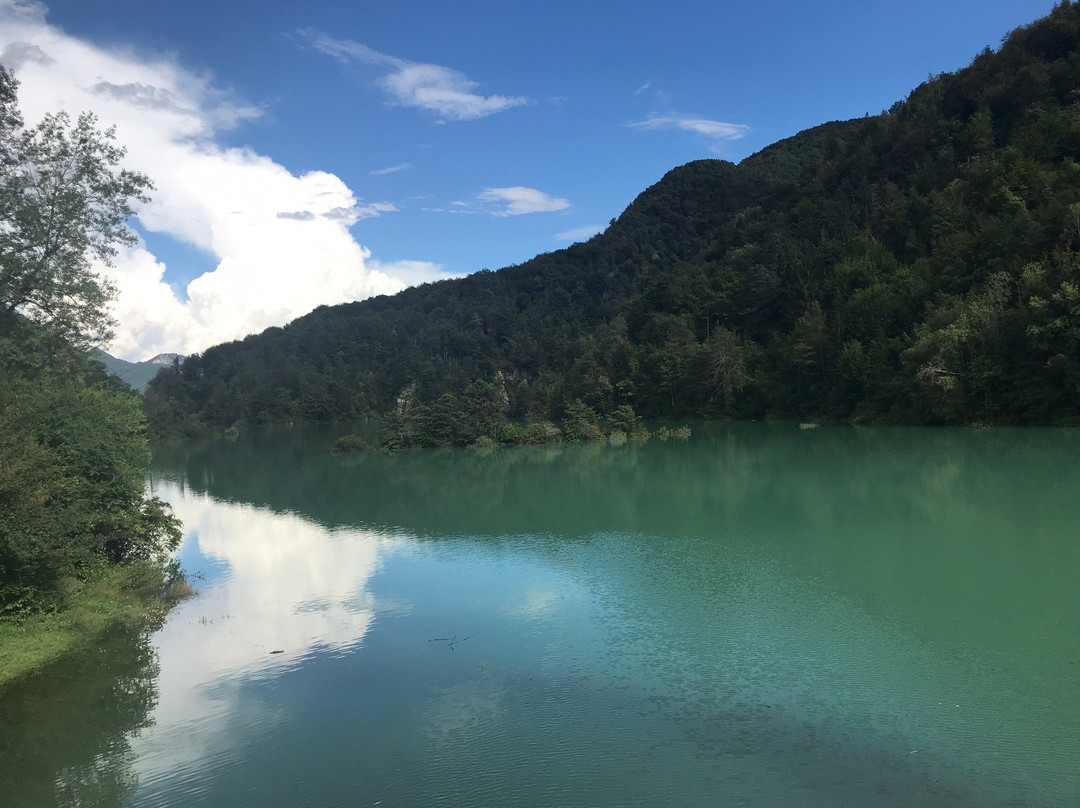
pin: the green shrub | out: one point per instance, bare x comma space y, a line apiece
347, 444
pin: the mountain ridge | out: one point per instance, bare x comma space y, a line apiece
136, 375
917, 266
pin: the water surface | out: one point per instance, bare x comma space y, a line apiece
761, 616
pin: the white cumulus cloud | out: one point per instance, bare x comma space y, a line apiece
442, 90
281, 240
518, 200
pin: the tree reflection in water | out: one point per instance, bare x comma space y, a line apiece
65, 737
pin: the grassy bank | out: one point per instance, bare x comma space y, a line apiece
130, 594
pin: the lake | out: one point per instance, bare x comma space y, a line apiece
758, 616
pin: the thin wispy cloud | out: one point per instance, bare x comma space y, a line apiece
346, 215
370, 211
442, 90
379, 172
414, 272
520, 200
715, 131
580, 233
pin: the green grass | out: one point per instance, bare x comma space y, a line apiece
131, 594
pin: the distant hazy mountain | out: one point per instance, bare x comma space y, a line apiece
137, 374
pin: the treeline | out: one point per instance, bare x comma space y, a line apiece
918, 266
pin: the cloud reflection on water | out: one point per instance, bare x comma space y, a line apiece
290, 588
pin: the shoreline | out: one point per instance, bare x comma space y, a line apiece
138, 594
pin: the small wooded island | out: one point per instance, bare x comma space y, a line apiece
919, 266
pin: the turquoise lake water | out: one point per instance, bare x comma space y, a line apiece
758, 616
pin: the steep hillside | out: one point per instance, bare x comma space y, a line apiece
918, 266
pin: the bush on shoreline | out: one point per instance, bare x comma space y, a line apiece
134, 595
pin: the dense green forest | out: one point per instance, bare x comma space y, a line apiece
78, 536
917, 266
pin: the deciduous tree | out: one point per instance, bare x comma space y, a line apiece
64, 202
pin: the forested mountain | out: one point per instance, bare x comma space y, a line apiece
917, 266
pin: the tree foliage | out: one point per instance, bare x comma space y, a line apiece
73, 448
64, 202
73, 455
917, 266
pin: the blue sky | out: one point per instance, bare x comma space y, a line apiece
469, 134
